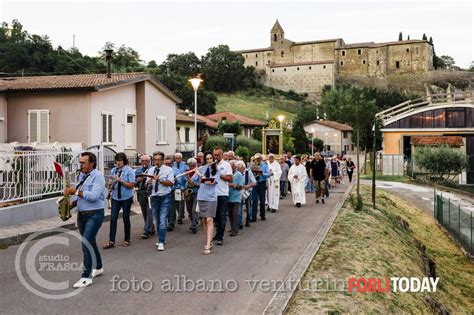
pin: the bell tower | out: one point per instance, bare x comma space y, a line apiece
277, 33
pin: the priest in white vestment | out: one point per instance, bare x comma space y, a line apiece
273, 191
298, 178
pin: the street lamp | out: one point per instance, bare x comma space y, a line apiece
312, 141
195, 82
280, 119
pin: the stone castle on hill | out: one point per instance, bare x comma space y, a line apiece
305, 67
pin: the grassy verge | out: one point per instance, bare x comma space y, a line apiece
373, 243
388, 178
255, 105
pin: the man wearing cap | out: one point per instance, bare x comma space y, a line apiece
261, 173
143, 195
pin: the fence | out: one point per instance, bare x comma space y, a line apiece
457, 221
30, 175
393, 164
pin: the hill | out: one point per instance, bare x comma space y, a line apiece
256, 103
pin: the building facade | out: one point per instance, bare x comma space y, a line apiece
306, 67
337, 137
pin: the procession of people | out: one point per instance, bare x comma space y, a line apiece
210, 187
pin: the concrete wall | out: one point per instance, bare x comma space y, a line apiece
157, 104
3, 119
68, 119
27, 212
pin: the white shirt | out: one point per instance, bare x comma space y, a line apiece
166, 173
222, 187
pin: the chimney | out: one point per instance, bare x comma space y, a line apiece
108, 58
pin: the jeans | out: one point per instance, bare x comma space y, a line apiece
126, 205
283, 188
160, 207
176, 206
191, 203
221, 217
89, 226
258, 192
143, 200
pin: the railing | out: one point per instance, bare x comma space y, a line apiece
457, 221
30, 175
185, 147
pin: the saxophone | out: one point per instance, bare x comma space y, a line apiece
64, 207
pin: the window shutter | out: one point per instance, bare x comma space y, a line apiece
109, 131
44, 126
165, 130
158, 130
33, 126
104, 128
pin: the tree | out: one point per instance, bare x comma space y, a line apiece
185, 65
440, 162
299, 135
229, 127
223, 70
400, 36
448, 61
424, 37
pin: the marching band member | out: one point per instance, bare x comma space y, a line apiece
273, 183
222, 189
235, 198
123, 181
143, 194
89, 197
191, 191
207, 197
261, 173
163, 179
249, 182
177, 200
298, 178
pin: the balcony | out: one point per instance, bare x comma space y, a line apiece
185, 147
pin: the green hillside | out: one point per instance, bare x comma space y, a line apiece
255, 103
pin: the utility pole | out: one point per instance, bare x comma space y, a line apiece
73, 41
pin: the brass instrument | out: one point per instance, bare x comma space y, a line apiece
64, 202
111, 187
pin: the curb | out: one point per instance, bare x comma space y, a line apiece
45, 232
281, 299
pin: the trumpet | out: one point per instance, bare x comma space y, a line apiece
196, 169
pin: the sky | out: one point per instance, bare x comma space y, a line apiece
156, 28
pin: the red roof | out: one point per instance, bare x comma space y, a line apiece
88, 82
231, 117
452, 141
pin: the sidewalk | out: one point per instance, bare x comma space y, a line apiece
15, 234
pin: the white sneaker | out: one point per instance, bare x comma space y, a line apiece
82, 283
161, 247
97, 272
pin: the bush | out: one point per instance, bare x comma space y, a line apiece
243, 152
215, 141
441, 161
253, 145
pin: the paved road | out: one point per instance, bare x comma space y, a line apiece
265, 251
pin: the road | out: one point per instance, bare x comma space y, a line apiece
246, 268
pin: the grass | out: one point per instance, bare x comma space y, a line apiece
372, 243
388, 178
255, 104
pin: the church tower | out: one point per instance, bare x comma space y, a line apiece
277, 33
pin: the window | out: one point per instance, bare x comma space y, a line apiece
268, 61
397, 64
284, 69
324, 67
38, 125
130, 119
363, 62
273, 70
378, 62
408, 50
246, 56
282, 53
359, 51
161, 131
186, 134
107, 127
343, 53
309, 67
345, 134
298, 68
256, 63
275, 37
342, 63
256, 55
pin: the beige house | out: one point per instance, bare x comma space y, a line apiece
337, 137
248, 124
128, 111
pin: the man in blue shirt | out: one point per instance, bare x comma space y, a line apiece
163, 180
261, 173
123, 181
177, 197
235, 198
249, 183
89, 198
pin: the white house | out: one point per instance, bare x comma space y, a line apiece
128, 111
337, 137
